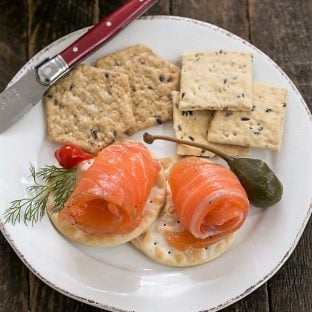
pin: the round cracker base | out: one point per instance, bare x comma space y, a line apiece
152, 208
154, 244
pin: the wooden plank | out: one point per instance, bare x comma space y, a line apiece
13, 46
13, 36
228, 14
106, 7
284, 32
13, 280
50, 20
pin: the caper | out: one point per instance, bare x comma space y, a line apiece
262, 186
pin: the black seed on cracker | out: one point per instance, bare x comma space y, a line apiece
159, 121
94, 133
191, 138
106, 75
225, 81
179, 128
245, 118
268, 110
161, 78
182, 95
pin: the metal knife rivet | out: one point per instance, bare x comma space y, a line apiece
75, 49
47, 70
108, 24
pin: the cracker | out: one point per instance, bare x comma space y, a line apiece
153, 243
152, 80
193, 126
262, 127
89, 107
216, 81
152, 208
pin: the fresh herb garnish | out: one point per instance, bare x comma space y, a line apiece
47, 181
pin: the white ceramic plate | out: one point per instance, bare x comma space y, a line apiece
121, 278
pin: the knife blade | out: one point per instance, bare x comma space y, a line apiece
17, 99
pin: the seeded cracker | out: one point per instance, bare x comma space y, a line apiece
89, 108
193, 126
216, 81
262, 127
152, 80
153, 242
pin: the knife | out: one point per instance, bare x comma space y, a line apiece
17, 99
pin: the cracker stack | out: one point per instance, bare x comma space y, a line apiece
220, 105
193, 126
151, 79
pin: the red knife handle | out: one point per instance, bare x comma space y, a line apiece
107, 28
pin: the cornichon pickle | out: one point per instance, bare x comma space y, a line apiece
262, 186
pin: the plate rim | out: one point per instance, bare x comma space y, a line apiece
250, 289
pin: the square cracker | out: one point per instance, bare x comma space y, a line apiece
89, 107
193, 125
151, 79
262, 127
216, 81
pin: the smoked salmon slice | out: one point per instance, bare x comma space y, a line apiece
110, 195
209, 200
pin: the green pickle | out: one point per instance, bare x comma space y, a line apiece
262, 186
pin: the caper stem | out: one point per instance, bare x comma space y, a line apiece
149, 139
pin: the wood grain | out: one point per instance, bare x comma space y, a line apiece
13, 38
50, 20
228, 14
106, 7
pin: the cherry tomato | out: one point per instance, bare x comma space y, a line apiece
70, 155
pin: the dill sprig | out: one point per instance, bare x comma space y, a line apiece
47, 181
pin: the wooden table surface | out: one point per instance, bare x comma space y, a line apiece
280, 28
